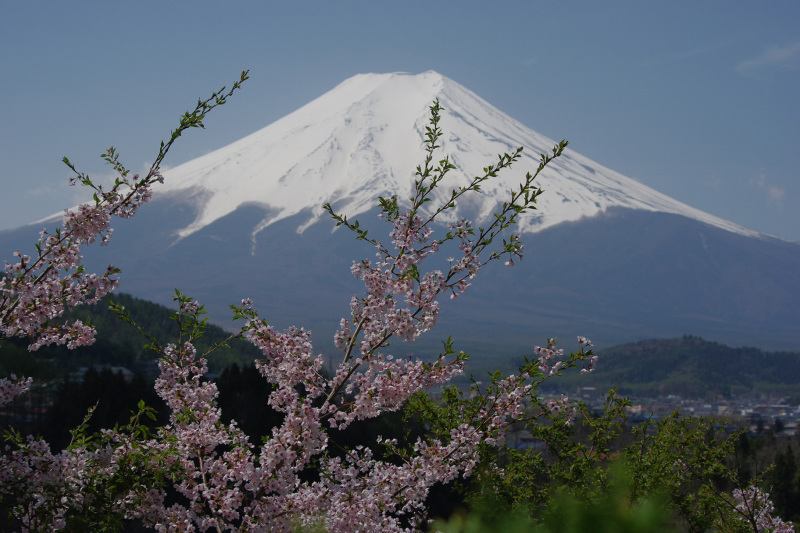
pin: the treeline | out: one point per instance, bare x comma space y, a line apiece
692, 367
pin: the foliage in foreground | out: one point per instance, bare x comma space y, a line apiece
568, 512
677, 474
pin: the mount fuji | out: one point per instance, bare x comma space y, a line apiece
606, 256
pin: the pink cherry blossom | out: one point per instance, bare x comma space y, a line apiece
223, 481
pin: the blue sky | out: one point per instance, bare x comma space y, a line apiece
696, 99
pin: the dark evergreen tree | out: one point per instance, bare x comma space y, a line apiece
111, 396
784, 485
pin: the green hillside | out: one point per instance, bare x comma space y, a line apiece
691, 366
118, 343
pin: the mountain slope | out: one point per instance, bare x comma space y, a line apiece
606, 256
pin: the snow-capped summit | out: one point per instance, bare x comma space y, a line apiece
364, 138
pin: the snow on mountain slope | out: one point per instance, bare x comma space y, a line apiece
633, 264
364, 138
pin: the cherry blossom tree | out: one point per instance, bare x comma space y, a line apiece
227, 484
222, 481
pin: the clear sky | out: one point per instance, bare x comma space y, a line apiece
697, 99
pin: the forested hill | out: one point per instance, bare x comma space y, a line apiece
688, 366
693, 367
118, 343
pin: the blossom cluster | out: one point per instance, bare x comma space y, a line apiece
36, 290
48, 486
230, 485
12, 387
755, 508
